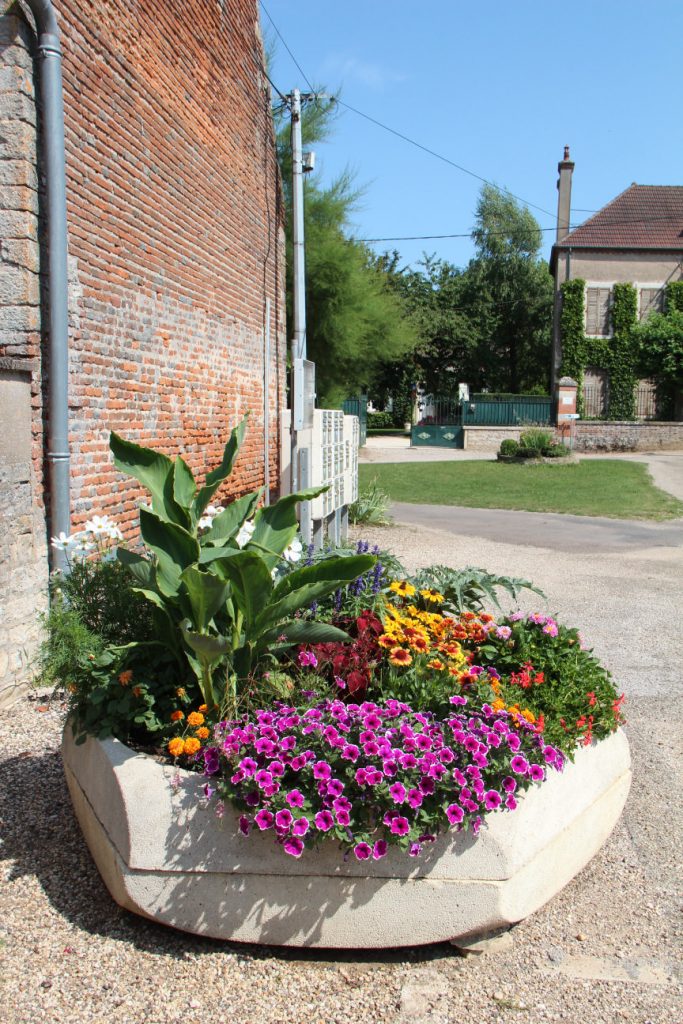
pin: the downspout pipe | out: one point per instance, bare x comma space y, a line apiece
49, 57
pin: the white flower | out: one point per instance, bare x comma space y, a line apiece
103, 526
244, 533
210, 513
62, 542
294, 552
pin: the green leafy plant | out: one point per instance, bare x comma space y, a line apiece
509, 447
535, 440
371, 507
470, 589
222, 610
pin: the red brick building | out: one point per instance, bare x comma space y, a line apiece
176, 254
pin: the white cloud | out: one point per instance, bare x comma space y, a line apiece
374, 76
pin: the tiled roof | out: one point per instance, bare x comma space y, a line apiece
642, 217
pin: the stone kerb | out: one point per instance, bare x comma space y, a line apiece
164, 855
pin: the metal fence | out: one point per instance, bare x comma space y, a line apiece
486, 410
596, 401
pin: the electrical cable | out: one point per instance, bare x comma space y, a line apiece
282, 40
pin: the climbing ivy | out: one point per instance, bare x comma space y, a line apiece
674, 296
616, 355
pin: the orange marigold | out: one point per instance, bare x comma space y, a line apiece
194, 718
137, 691
177, 716
191, 745
203, 733
180, 692
125, 677
176, 747
203, 707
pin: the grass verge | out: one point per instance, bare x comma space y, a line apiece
605, 487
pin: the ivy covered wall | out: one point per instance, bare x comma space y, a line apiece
617, 355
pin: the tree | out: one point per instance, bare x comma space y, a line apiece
509, 295
354, 322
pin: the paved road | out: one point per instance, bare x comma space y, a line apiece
543, 529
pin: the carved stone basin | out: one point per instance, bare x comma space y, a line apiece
165, 856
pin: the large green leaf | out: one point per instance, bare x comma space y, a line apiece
141, 568
299, 631
184, 486
174, 547
315, 582
275, 526
206, 594
339, 569
227, 523
209, 649
251, 582
153, 470
216, 477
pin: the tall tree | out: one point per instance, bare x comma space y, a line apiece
509, 295
354, 322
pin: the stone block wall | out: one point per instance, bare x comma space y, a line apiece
23, 552
608, 435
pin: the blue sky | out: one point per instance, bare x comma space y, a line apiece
496, 87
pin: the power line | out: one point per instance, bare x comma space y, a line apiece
284, 43
468, 234
444, 159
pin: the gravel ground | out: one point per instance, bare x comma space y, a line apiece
607, 949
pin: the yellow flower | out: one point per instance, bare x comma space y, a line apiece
191, 745
176, 747
432, 596
399, 656
498, 705
402, 588
180, 692
194, 718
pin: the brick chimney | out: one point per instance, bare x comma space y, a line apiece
564, 194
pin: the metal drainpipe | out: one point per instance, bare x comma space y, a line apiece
50, 74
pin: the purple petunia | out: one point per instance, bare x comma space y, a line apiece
324, 821
362, 851
400, 826
293, 846
455, 814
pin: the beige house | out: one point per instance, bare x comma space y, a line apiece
636, 238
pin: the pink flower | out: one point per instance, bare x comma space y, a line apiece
323, 821
283, 819
307, 658
264, 819
400, 826
454, 814
295, 798
362, 851
379, 850
398, 792
301, 826
294, 846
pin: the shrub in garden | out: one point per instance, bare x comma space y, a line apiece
534, 440
557, 450
509, 447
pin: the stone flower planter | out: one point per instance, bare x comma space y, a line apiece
164, 856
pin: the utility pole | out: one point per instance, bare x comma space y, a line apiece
298, 343
302, 391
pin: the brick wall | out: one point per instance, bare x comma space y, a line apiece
175, 237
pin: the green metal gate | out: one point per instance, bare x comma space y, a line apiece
444, 419
358, 406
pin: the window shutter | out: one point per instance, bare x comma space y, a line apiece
597, 311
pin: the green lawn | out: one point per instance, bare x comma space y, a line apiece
605, 487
